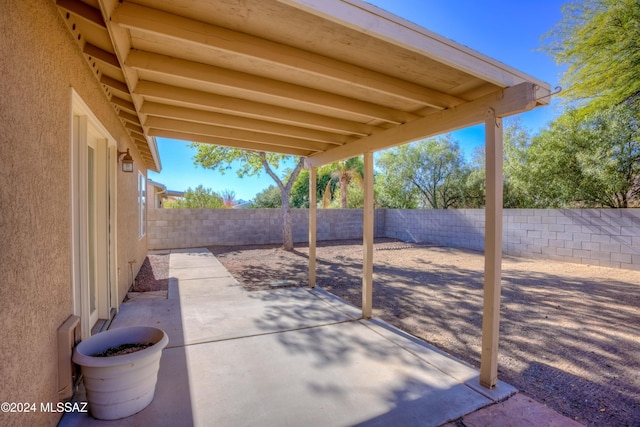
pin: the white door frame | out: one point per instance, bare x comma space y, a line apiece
86, 129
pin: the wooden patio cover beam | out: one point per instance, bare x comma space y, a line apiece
506, 102
492, 251
367, 238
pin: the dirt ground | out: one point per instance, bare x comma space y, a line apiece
153, 274
569, 335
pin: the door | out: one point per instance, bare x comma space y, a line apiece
92, 238
97, 288
93, 231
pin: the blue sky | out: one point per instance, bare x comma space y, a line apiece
507, 30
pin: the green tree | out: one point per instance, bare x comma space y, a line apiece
588, 158
252, 163
300, 190
475, 186
197, 199
393, 190
434, 167
343, 173
268, 198
599, 42
517, 183
355, 197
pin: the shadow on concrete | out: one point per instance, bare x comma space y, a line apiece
586, 326
364, 377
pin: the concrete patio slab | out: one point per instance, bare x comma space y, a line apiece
337, 303
205, 303
287, 357
217, 287
202, 272
185, 258
333, 375
442, 361
147, 295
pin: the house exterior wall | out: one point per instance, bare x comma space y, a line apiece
605, 237
156, 194
39, 64
131, 247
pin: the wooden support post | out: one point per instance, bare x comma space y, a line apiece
492, 252
367, 238
313, 208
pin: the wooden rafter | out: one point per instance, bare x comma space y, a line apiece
252, 86
84, 11
237, 122
231, 133
90, 31
124, 104
204, 100
114, 84
131, 118
107, 58
206, 36
226, 142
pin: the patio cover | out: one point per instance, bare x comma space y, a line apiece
323, 79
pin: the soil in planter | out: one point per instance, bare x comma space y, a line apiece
123, 349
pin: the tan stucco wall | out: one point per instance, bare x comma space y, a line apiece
155, 196
130, 247
39, 63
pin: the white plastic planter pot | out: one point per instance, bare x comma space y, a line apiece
120, 386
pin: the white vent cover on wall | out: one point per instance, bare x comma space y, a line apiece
68, 337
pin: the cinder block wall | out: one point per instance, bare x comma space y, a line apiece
605, 237
462, 228
188, 228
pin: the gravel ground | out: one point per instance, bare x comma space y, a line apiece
570, 334
153, 274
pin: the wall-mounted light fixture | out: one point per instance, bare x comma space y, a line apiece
127, 161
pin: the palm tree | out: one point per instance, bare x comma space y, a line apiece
228, 198
343, 172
